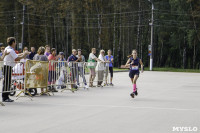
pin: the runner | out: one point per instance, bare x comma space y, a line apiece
109, 67
134, 63
81, 69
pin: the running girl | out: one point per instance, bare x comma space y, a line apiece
134, 63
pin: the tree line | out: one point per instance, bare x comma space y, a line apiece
119, 25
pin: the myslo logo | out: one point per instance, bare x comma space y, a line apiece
184, 129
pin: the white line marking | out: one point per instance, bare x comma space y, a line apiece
116, 106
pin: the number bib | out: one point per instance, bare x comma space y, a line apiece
134, 68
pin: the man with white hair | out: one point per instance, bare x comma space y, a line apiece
101, 67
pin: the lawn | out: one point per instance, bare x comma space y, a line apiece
165, 69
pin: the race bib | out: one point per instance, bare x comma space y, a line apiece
134, 68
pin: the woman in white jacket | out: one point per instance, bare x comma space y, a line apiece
101, 67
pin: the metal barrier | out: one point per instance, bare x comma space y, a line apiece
27, 76
36, 76
76, 74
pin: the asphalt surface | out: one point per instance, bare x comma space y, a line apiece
165, 100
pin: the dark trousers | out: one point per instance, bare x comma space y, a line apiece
7, 72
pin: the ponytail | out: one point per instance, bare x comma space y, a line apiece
131, 54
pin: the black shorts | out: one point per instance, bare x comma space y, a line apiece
111, 71
132, 73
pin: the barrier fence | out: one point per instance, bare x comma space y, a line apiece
77, 74
27, 76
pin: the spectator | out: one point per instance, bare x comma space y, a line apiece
26, 50
73, 68
109, 66
47, 50
2, 51
52, 69
41, 57
81, 66
9, 63
91, 65
32, 54
62, 59
1, 65
100, 67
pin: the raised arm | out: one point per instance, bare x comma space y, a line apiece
128, 63
21, 56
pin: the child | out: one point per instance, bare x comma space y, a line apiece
134, 62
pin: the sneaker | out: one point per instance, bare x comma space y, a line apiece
132, 94
100, 86
136, 93
49, 88
111, 84
86, 87
54, 90
8, 100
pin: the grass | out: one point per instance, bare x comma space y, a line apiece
169, 69
163, 69
119, 69
166, 69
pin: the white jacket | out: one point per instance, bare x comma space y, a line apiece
100, 65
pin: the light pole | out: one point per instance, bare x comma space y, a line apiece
151, 55
22, 23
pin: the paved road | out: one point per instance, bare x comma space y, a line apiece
165, 100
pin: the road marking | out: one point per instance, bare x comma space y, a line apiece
116, 106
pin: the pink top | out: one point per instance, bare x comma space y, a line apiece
52, 64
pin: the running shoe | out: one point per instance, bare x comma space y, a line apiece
136, 93
132, 94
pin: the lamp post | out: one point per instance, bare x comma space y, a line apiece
22, 23
151, 54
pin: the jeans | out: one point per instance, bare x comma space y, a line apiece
82, 74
